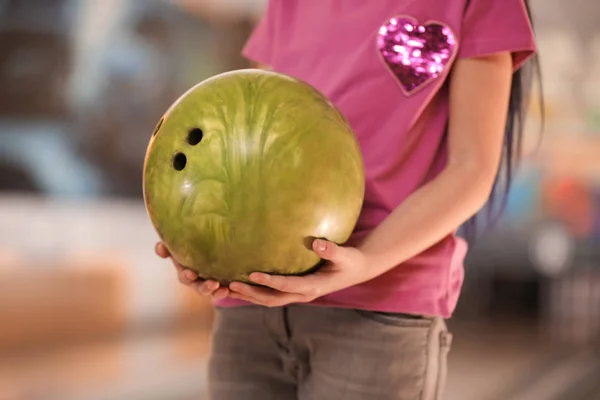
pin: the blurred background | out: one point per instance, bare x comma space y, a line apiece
88, 312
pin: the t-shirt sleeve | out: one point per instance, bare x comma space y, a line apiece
260, 45
494, 26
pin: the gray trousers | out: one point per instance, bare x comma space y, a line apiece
317, 353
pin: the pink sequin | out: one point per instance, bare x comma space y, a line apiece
415, 53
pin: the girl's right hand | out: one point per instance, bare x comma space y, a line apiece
190, 278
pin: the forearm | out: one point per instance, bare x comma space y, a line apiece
427, 216
475, 135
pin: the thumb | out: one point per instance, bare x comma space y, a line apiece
327, 250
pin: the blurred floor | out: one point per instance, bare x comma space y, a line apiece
153, 367
513, 361
487, 362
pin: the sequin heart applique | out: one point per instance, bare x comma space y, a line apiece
416, 54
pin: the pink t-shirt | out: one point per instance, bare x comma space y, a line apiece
384, 64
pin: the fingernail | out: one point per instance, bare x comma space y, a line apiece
258, 277
321, 245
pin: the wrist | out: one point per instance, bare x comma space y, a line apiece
375, 263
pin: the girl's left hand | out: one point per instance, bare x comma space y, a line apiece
346, 266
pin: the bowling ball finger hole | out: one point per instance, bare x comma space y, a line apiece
179, 161
195, 136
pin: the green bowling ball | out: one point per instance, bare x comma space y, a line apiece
245, 169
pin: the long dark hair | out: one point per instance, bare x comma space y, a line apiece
520, 94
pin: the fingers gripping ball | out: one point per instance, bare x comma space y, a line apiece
244, 169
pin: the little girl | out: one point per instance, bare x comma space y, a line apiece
434, 92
